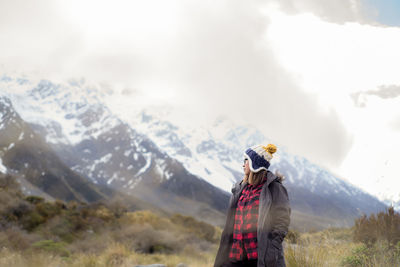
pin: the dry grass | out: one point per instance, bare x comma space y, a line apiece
115, 255
324, 248
334, 247
136, 238
36, 233
329, 248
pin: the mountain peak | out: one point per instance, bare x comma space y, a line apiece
127, 147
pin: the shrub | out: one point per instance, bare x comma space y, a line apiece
342, 234
117, 208
32, 220
383, 226
292, 237
146, 239
16, 239
60, 205
89, 243
8, 183
48, 210
201, 229
378, 254
34, 199
77, 219
146, 217
59, 227
104, 213
17, 210
360, 256
50, 246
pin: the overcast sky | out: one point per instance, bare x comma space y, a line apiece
319, 77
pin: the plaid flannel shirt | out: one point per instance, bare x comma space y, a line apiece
245, 228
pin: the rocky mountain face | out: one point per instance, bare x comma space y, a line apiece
25, 153
312, 190
108, 152
180, 169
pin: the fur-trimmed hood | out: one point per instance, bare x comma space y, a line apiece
270, 178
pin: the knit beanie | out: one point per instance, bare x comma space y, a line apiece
259, 157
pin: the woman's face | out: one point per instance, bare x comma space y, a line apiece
246, 167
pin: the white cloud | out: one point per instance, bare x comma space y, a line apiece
210, 57
291, 75
338, 11
341, 62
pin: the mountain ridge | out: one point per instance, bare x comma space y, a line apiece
211, 154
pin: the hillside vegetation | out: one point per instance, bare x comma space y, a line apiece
372, 241
35, 232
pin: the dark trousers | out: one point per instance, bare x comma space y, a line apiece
246, 263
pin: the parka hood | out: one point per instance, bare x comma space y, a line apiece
270, 178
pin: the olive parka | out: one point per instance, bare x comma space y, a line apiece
273, 222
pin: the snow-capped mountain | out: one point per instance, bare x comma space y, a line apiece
95, 143
39, 170
75, 122
142, 150
215, 153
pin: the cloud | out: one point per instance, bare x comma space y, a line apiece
395, 124
35, 37
339, 11
383, 92
212, 58
390, 91
223, 65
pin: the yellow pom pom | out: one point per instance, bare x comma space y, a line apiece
270, 148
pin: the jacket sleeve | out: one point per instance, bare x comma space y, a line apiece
226, 237
280, 212
223, 250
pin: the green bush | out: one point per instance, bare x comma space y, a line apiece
17, 210
48, 210
50, 246
78, 220
360, 256
378, 254
32, 220
62, 228
34, 199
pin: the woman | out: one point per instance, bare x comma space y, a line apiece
258, 215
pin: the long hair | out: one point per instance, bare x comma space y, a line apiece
255, 178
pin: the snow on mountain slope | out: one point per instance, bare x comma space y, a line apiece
214, 152
97, 144
76, 113
74, 120
29, 160
196, 150
3, 168
46, 103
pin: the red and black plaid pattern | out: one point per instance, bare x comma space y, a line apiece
245, 228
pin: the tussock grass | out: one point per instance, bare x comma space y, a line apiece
335, 247
325, 248
37, 233
115, 255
